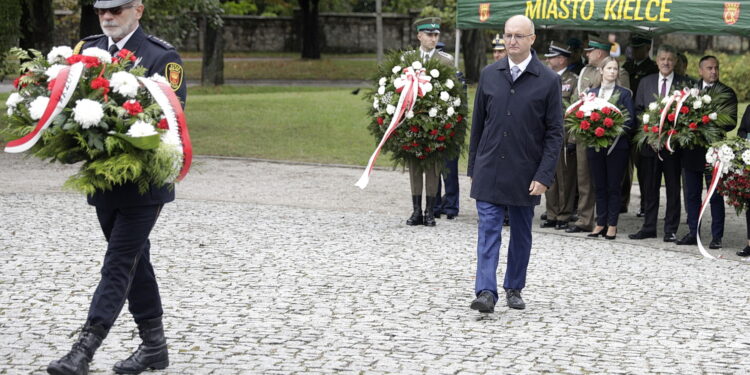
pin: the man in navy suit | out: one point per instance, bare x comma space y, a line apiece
655, 165
127, 217
694, 160
516, 137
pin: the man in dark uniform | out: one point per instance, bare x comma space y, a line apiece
638, 67
694, 160
498, 48
127, 217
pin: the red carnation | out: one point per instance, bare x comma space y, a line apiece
459, 118
380, 121
606, 110
427, 149
100, 83
595, 116
433, 132
163, 124
599, 132
74, 59
693, 126
16, 81
415, 144
645, 128
705, 119
655, 129
672, 132
123, 53
608, 122
585, 125
452, 134
414, 129
448, 126
440, 148
90, 61
684, 110
441, 138
406, 147
133, 107
421, 157
579, 114
671, 117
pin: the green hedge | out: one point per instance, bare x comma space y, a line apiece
734, 71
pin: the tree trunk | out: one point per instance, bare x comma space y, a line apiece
474, 49
37, 24
310, 35
89, 20
212, 72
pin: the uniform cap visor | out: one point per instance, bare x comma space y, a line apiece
106, 4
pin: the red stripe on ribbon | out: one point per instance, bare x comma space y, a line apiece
187, 146
715, 177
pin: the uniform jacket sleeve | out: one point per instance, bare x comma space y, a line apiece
171, 56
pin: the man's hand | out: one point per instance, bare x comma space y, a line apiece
537, 188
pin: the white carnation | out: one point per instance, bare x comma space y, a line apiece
706, 99
432, 112
416, 65
444, 96
159, 78
13, 100
37, 107
712, 116
141, 129
457, 102
449, 84
390, 109
711, 155
99, 53
410, 114
382, 81
124, 83
726, 155
88, 113
9, 111
398, 83
381, 90
653, 106
450, 111
435, 73
694, 92
375, 103
53, 71
59, 52
697, 104
646, 117
427, 87
746, 157
396, 69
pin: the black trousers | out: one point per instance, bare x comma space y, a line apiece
607, 172
693, 198
652, 171
127, 273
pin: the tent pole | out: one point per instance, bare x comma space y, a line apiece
458, 47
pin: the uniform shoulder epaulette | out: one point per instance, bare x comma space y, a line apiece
444, 54
93, 37
162, 43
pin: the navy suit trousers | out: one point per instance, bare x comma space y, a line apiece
693, 199
491, 218
449, 205
127, 273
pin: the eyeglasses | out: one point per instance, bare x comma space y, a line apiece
517, 37
113, 11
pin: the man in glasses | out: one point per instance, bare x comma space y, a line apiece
127, 217
515, 143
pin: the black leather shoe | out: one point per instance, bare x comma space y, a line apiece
715, 243
514, 299
670, 237
744, 252
641, 235
485, 303
688, 239
548, 224
575, 229
544, 216
76, 362
437, 214
561, 225
151, 353
450, 216
640, 213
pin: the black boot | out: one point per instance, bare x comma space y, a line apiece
151, 354
429, 216
76, 362
416, 215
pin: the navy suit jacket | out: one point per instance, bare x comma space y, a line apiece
624, 102
516, 133
648, 90
155, 56
695, 159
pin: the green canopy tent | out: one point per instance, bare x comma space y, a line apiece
653, 16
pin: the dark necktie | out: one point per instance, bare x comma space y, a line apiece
113, 49
663, 88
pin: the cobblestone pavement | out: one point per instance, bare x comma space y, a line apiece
277, 269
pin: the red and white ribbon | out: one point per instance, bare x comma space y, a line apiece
715, 177
414, 81
63, 89
680, 97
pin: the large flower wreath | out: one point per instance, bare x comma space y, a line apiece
595, 122
688, 118
730, 160
99, 109
418, 111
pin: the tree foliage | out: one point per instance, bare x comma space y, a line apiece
10, 14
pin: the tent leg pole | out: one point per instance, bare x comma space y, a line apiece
458, 47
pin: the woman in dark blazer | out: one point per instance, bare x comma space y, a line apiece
608, 165
743, 132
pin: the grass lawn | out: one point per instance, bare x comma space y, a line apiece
324, 69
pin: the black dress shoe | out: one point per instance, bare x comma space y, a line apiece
670, 237
640, 213
688, 239
514, 299
641, 235
450, 216
485, 303
543, 217
715, 243
744, 252
561, 225
549, 224
575, 229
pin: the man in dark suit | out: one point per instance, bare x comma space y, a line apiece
694, 160
652, 167
515, 143
127, 217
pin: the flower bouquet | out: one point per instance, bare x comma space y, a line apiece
686, 118
100, 110
730, 160
595, 122
418, 111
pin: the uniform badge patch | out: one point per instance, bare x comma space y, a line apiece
173, 72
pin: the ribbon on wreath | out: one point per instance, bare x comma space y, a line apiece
414, 82
63, 89
680, 97
715, 177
